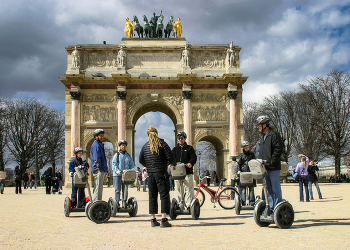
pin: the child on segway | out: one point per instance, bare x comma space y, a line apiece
77, 161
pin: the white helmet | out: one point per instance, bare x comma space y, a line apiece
98, 131
77, 150
244, 144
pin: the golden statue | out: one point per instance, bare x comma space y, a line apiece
129, 28
178, 28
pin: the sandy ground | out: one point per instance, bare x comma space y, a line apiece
34, 220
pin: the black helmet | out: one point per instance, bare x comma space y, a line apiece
77, 150
264, 119
181, 134
244, 144
122, 142
98, 131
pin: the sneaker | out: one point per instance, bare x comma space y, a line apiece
165, 224
155, 223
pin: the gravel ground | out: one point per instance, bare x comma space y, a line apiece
34, 220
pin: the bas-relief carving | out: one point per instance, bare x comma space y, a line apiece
100, 59
175, 100
206, 113
207, 60
209, 98
98, 113
98, 98
149, 60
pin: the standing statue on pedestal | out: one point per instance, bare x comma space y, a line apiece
147, 27
121, 58
153, 23
129, 28
177, 28
169, 27
75, 58
185, 56
231, 56
159, 31
138, 28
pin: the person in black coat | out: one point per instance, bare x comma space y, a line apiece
244, 158
18, 180
313, 179
155, 155
48, 178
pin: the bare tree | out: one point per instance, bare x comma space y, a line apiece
329, 97
251, 134
3, 132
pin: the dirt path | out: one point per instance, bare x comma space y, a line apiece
34, 220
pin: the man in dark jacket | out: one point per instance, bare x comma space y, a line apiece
155, 155
186, 154
313, 179
271, 148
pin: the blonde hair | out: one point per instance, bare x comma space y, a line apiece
303, 160
154, 142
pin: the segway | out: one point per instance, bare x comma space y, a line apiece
98, 211
247, 181
128, 206
2, 181
179, 207
283, 213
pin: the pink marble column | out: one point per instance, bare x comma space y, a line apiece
187, 94
233, 123
121, 115
75, 95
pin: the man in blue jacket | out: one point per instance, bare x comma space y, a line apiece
98, 163
121, 161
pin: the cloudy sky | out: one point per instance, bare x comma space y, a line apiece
283, 42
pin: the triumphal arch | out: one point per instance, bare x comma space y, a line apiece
199, 86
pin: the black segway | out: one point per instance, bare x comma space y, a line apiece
179, 207
283, 213
128, 206
247, 181
98, 211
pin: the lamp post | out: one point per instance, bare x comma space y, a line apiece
199, 165
36, 161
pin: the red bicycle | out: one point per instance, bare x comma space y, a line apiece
224, 195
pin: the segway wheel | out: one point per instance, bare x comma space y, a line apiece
238, 204
195, 209
67, 206
100, 212
199, 195
173, 207
87, 207
113, 203
283, 215
2, 188
132, 203
258, 210
226, 198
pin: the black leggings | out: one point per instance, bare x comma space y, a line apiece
158, 183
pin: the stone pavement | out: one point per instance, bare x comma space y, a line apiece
34, 220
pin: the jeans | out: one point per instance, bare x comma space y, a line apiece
318, 190
75, 191
251, 195
145, 182
273, 188
118, 185
188, 188
98, 188
304, 181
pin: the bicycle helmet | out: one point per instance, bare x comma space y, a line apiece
264, 119
98, 131
244, 144
181, 134
122, 142
77, 150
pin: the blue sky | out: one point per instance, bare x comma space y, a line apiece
283, 42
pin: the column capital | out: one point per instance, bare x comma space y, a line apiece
187, 94
75, 95
121, 95
232, 94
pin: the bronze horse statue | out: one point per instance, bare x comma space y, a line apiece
169, 27
159, 30
137, 27
147, 27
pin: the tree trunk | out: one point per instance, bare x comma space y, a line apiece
337, 165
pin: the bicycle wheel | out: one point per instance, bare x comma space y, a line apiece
199, 195
225, 198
